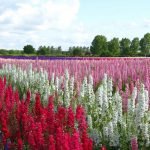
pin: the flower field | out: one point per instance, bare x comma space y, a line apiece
75, 104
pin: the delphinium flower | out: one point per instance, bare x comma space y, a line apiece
140, 109
91, 97
74, 141
95, 136
66, 90
109, 89
52, 83
99, 98
89, 120
145, 133
51, 143
71, 86
134, 143
105, 98
57, 84
111, 134
146, 101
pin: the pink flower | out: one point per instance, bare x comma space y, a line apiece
134, 144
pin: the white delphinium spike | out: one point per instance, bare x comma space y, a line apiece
145, 132
134, 95
95, 136
82, 91
111, 133
146, 100
99, 99
66, 90
85, 84
118, 100
115, 117
91, 93
89, 120
53, 79
105, 98
109, 89
140, 110
131, 103
105, 133
91, 80
71, 86
66, 74
57, 83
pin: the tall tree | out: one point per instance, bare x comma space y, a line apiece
99, 45
125, 47
134, 47
145, 44
77, 51
29, 49
114, 47
43, 50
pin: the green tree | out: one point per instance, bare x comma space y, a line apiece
99, 45
145, 44
43, 50
114, 47
134, 47
29, 49
77, 51
125, 47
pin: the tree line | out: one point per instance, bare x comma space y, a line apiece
100, 47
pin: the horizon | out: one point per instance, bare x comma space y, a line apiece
69, 23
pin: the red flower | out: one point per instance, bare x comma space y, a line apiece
20, 144
51, 143
103, 148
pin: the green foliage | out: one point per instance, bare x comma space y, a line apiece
29, 49
99, 45
125, 47
135, 46
114, 47
145, 44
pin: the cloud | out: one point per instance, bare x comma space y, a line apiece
38, 21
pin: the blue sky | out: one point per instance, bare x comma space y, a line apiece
70, 22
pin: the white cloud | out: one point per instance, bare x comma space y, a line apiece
40, 22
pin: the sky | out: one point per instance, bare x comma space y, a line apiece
70, 22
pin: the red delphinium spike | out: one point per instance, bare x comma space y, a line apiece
90, 144
134, 144
39, 135
50, 119
80, 117
59, 138
61, 117
16, 97
4, 80
75, 141
7, 99
103, 148
38, 107
4, 129
85, 141
66, 142
31, 140
43, 121
79, 112
1, 106
2, 89
19, 144
51, 145
50, 102
28, 97
71, 119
